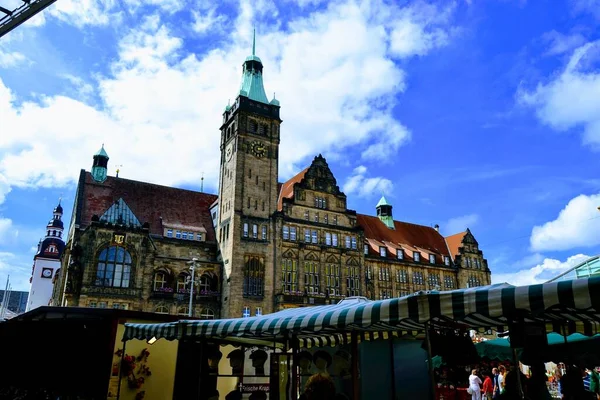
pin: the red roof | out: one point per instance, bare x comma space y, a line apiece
455, 242
154, 204
287, 188
410, 237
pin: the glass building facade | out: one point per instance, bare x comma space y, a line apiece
588, 268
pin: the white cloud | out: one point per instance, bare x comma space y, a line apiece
559, 43
570, 99
161, 105
5, 228
362, 186
207, 19
460, 224
577, 225
19, 271
9, 60
540, 273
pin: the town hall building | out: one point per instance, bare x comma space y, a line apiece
259, 246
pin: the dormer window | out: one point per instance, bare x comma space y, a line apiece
366, 249
184, 235
432, 259
199, 235
178, 234
416, 256
446, 260
382, 251
170, 233
400, 254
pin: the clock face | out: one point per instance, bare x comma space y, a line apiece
258, 149
47, 273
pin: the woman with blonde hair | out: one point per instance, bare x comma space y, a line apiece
475, 386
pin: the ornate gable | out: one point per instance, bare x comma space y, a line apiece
319, 177
120, 214
469, 239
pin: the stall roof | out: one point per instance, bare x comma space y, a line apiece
572, 305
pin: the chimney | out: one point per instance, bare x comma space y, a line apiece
437, 228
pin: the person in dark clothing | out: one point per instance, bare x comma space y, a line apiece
572, 384
536, 385
319, 387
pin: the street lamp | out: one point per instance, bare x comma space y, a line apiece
193, 269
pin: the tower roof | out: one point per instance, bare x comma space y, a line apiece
252, 82
101, 153
383, 202
58, 209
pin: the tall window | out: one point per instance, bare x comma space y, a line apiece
353, 281
160, 282
446, 260
418, 278
307, 215
347, 242
293, 233
334, 240
366, 249
382, 251
286, 232
307, 235
254, 275
432, 259
311, 277
402, 276
328, 238
400, 254
384, 274
434, 281
353, 240
255, 231
204, 285
332, 279
317, 217
448, 282
114, 267
289, 276
182, 283
326, 219
335, 219
264, 232
315, 237
245, 229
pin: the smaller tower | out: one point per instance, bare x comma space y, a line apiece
47, 261
384, 212
100, 166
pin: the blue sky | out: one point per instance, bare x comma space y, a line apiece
483, 114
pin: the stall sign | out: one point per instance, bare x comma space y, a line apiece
254, 387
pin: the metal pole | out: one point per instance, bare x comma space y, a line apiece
4, 297
121, 371
391, 340
193, 269
430, 361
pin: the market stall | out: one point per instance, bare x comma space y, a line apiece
564, 307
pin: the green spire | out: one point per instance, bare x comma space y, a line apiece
384, 212
101, 152
252, 82
383, 202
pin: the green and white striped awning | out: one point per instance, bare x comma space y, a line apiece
571, 306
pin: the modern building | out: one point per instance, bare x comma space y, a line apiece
46, 262
17, 301
586, 269
262, 245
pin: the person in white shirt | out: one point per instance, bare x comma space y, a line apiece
475, 385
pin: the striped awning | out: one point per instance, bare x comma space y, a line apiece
573, 306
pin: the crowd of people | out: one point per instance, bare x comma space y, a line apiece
574, 382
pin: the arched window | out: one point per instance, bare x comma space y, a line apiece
254, 274
162, 310
160, 281
207, 313
183, 310
182, 283
204, 284
114, 267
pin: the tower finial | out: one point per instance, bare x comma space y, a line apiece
254, 42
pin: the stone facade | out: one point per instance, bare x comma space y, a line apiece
112, 260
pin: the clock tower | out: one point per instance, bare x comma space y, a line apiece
248, 193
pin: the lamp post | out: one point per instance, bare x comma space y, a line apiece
193, 269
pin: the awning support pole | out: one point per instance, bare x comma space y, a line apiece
518, 371
355, 380
121, 371
294, 344
391, 340
430, 361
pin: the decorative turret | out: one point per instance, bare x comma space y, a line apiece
384, 212
55, 226
53, 244
252, 82
100, 166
